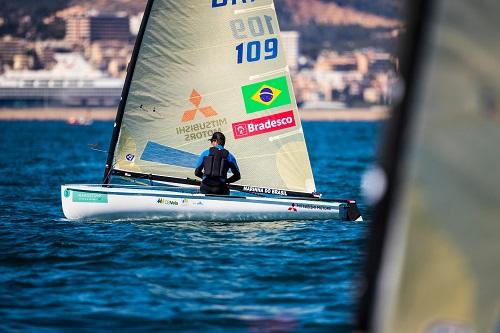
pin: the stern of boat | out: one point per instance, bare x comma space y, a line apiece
352, 212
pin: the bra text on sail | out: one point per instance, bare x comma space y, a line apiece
223, 3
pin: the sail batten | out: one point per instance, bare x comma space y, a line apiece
212, 66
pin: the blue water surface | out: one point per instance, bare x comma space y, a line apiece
58, 275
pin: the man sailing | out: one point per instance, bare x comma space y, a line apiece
212, 167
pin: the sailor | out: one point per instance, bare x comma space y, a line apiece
213, 165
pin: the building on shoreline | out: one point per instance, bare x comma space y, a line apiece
361, 78
91, 28
71, 82
10, 49
291, 45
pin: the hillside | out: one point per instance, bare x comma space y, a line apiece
25, 19
130, 6
384, 8
327, 24
321, 12
336, 24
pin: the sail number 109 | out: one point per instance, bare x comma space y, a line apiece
254, 50
255, 26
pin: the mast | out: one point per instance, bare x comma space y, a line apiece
125, 92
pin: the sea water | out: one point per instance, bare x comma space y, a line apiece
59, 275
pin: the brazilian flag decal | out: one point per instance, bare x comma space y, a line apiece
266, 95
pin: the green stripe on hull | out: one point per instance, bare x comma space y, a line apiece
90, 197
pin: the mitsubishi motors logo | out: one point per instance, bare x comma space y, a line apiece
195, 99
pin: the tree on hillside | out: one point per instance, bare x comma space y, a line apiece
25, 19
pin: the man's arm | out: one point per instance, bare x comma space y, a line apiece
234, 169
198, 171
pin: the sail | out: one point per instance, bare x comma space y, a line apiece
206, 66
440, 268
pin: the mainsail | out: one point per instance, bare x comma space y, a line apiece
205, 66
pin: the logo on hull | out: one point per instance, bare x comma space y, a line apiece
168, 202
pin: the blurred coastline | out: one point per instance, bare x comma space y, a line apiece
108, 114
73, 56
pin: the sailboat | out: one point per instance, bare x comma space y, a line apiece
200, 67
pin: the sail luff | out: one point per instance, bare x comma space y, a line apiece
125, 91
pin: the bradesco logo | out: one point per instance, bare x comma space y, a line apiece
263, 125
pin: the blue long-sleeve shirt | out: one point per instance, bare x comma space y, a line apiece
233, 166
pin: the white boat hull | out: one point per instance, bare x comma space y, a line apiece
96, 202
